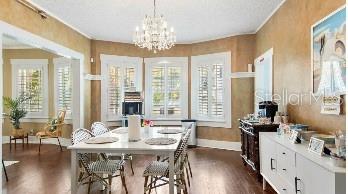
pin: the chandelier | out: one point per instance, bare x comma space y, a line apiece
154, 34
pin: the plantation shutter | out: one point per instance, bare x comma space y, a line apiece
29, 83
173, 91
64, 88
217, 91
114, 90
158, 90
203, 91
129, 79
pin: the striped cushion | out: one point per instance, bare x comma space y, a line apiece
106, 166
157, 168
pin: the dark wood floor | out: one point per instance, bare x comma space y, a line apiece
214, 172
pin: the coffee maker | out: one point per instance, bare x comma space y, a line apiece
268, 109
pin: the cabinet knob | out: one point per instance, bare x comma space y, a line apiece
284, 189
284, 169
284, 153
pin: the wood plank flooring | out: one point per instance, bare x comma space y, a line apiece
214, 172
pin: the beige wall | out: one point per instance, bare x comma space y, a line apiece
242, 49
16, 14
9, 54
288, 32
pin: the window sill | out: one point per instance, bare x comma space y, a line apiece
35, 120
213, 123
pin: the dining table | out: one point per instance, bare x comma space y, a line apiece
123, 145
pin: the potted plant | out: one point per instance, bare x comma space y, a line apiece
16, 112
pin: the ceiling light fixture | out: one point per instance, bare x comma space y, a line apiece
154, 34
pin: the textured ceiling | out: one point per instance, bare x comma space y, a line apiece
193, 20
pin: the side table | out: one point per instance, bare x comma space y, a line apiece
14, 138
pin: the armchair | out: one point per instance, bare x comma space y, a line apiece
52, 130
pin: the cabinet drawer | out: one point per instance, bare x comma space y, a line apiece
285, 187
286, 155
286, 164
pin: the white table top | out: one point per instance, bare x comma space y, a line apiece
124, 145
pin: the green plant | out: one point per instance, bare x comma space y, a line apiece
16, 110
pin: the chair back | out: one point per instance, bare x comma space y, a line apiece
98, 128
60, 122
80, 135
61, 116
182, 146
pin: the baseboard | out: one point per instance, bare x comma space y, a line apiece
225, 145
35, 140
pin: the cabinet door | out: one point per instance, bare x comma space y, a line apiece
268, 160
312, 178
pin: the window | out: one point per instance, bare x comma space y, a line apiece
29, 78
120, 74
211, 89
63, 85
166, 88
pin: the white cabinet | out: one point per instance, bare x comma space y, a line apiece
291, 169
311, 178
268, 159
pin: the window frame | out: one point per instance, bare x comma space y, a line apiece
209, 60
169, 62
17, 64
122, 62
62, 62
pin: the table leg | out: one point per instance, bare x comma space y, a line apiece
264, 183
171, 173
74, 171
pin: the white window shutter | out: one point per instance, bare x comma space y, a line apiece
30, 78
63, 85
211, 89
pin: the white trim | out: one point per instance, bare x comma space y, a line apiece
242, 74
316, 23
269, 16
35, 120
166, 62
59, 19
122, 62
225, 145
197, 61
78, 63
62, 62
34, 140
41, 64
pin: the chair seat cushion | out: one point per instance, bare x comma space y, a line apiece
106, 166
157, 168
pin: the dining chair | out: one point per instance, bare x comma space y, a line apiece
187, 161
159, 170
52, 130
94, 170
4, 167
99, 128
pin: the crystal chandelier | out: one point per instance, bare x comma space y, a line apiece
154, 34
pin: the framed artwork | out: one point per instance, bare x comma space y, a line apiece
293, 136
328, 51
316, 146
